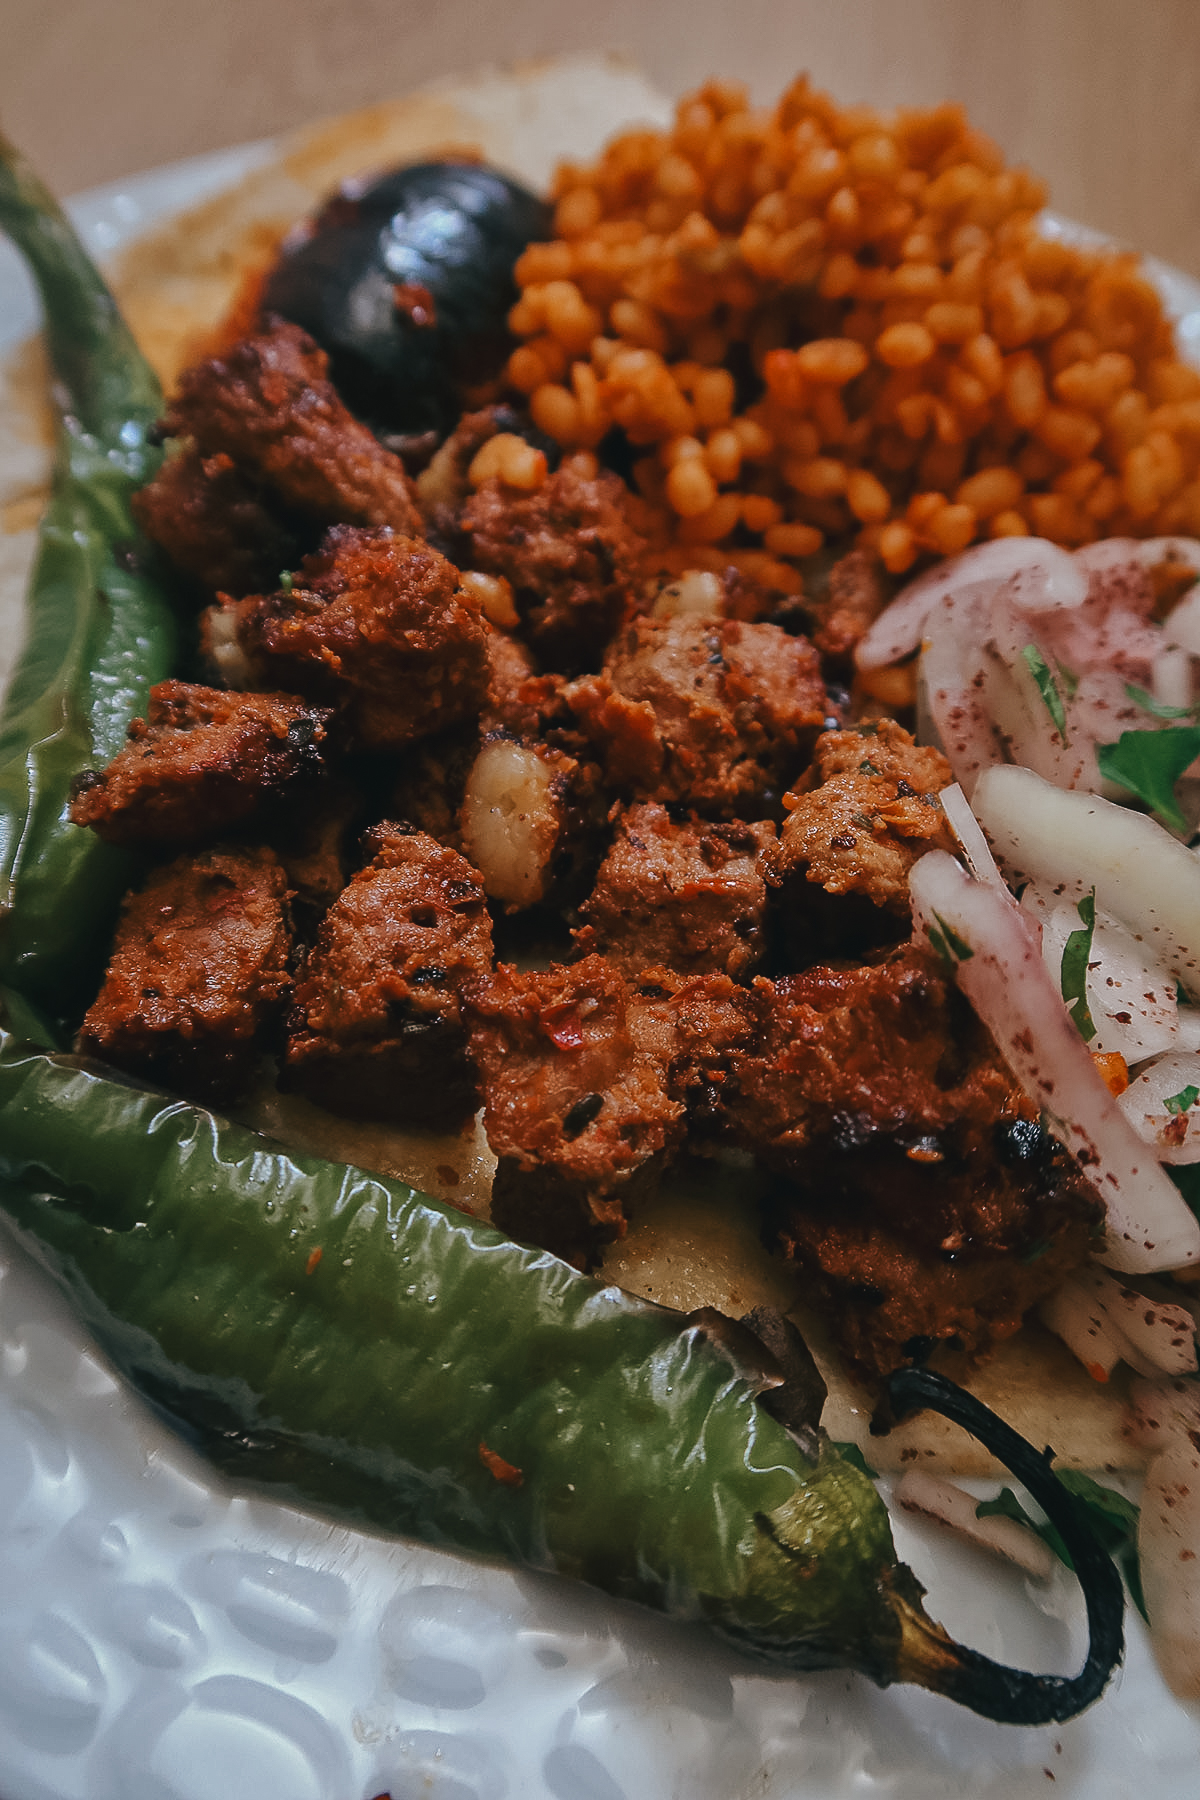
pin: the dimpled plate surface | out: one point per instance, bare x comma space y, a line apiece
164, 1636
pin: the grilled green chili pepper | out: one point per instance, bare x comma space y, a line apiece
100, 632
383, 1355
344, 1336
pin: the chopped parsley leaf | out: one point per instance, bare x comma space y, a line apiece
1149, 763
1047, 687
1073, 976
1158, 709
1182, 1101
949, 946
1186, 1177
285, 581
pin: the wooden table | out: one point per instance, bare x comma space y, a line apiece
1101, 96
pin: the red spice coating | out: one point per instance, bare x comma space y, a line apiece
579, 1116
198, 975
856, 594
859, 819
571, 554
373, 621
688, 895
713, 714
376, 1027
925, 1201
215, 523
202, 762
268, 404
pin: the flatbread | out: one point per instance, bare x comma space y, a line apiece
698, 1243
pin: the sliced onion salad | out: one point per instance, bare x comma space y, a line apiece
1169, 1560
1032, 655
1159, 1410
935, 1498
1162, 1103
1132, 1006
1076, 1317
898, 632
1076, 842
1106, 1321
998, 963
1163, 1419
971, 840
1031, 658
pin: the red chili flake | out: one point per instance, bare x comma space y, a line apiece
314, 1258
925, 1150
498, 1469
682, 995
1097, 1371
416, 303
448, 1176
563, 1025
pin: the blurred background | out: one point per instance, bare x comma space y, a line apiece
1102, 97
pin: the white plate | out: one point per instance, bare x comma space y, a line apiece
164, 1637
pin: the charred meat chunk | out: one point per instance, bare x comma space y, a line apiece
888, 1294
376, 1028
198, 976
569, 552
200, 764
693, 1027
882, 1101
690, 895
854, 596
578, 1115
710, 714
215, 524
520, 701
269, 405
373, 622
510, 670
856, 824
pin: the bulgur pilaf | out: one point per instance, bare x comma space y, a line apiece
820, 323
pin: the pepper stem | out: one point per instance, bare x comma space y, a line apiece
932, 1659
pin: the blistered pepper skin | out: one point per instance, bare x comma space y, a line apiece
100, 631
352, 1339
